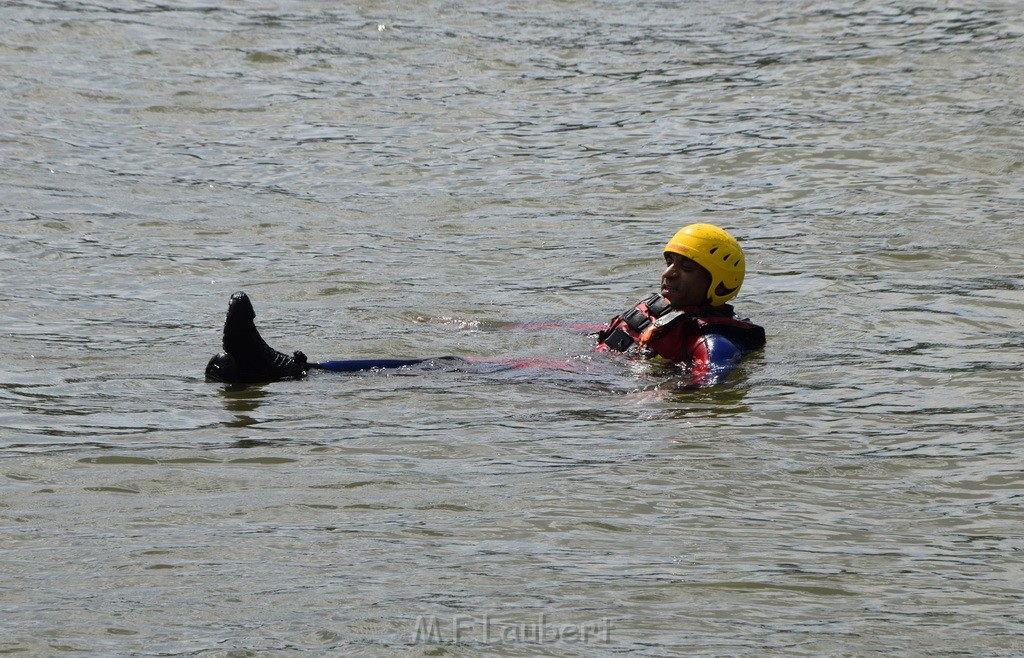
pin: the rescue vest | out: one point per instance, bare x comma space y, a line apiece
654, 326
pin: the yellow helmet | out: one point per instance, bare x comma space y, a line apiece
717, 252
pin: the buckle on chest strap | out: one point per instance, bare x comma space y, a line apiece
636, 319
657, 305
618, 340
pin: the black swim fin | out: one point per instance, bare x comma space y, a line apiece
246, 357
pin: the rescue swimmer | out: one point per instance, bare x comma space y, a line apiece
688, 322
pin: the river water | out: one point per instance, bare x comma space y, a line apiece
856, 489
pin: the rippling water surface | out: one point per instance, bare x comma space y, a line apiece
856, 489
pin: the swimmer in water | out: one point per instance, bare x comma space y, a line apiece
688, 322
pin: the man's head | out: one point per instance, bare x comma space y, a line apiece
704, 266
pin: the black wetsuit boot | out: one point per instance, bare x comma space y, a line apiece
246, 357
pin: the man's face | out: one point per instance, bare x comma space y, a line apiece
684, 282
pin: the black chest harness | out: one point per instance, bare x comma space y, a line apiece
652, 314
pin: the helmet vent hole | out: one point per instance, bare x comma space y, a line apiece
714, 249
